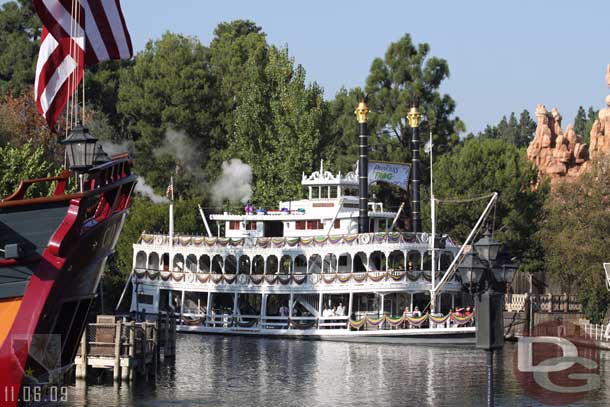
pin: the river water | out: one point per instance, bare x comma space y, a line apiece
240, 371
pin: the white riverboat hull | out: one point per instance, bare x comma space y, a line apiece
423, 336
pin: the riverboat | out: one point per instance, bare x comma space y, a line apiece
305, 271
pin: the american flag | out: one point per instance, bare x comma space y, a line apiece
59, 71
169, 193
75, 33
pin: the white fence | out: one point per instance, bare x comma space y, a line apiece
542, 302
596, 331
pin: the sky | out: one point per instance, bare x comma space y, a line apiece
503, 56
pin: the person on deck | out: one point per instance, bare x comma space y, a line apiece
249, 209
340, 310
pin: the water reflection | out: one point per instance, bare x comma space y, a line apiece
240, 371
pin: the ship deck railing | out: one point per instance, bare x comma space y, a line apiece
372, 322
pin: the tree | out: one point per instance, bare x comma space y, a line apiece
518, 133
278, 126
575, 237
170, 87
21, 123
527, 128
19, 37
24, 162
234, 44
583, 122
407, 75
478, 167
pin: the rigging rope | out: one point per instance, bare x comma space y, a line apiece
464, 200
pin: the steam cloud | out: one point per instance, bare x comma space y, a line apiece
180, 146
146, 190
113, 149
141, 187
234, 184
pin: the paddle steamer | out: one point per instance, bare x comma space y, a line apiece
281, 272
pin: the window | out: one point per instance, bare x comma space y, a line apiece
145, 299
337, 223
314, 224
332, 192
300, 225
250, 225
234, 225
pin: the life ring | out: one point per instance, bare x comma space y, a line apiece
242, 279
159, 240
365, 238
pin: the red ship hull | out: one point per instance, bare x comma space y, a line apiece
42, 329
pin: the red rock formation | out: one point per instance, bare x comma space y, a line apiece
560, 156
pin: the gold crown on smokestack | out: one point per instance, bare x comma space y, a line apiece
361, 111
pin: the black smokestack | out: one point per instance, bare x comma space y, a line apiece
414, 120
363, 167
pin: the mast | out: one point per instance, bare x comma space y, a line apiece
414, 118
363, 167
433, 237
171, 212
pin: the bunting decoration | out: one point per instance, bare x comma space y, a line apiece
284, 279
282, 242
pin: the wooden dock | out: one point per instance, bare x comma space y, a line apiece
126, 347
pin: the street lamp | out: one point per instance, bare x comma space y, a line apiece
471, 271
100, 157
487, 247
486, 275
80, 146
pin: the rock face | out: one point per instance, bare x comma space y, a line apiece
563, 155
554, 152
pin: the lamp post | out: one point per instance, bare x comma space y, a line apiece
80, 147
100, 157
485, 275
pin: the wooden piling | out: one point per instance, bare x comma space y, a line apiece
132, 348
81, 369
116, 374
128, 348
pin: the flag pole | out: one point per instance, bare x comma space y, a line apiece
171, 213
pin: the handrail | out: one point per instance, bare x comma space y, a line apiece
25, 184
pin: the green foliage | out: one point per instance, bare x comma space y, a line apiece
576, 240
277, 129
102, 87
518, 133
583, 122
170, 86
480, 166
407, 75
19, 37
24, 162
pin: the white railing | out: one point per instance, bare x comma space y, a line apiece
543, 302
515, 302
596, 332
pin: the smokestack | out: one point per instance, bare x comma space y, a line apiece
363, 167
414, 118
